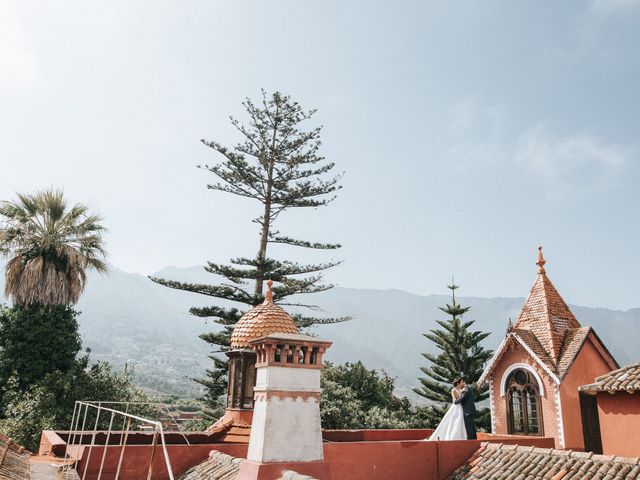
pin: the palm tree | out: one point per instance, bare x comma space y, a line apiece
50, 246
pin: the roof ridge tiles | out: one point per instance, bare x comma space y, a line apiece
581, 454
545, 312
624, 379
11, 444
513, 462
619, 370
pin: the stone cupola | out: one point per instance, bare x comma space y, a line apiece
264, 319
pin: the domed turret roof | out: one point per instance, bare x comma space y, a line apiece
264, 319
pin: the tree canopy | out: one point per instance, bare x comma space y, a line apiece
461, 355
354, 396
278, 165
50, 245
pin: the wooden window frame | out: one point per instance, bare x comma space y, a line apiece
531, 384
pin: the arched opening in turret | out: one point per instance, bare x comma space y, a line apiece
242, 379
302, 354
523, 404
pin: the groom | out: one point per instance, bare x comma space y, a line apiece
468, 407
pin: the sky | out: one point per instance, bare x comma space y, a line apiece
469, 133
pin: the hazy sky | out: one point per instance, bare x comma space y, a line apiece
470, 132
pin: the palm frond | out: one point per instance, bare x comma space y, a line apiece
50, 246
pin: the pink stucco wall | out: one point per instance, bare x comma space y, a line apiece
619, 421
588, 365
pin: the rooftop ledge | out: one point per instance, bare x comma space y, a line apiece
54, 442
353, 454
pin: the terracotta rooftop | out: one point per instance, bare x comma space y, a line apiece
530, 340
572, 342
225, 467
264, 319
228, 430
547, 329
501, 462
625, 379
14, 460
219, 467
293, 337
546, 314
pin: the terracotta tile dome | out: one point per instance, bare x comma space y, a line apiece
264, 319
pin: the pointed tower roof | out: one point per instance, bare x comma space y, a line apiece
264, 319
547, 330
545, 313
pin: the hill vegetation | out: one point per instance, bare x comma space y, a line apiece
126, 319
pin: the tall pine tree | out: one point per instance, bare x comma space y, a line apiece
278, 165
460, 355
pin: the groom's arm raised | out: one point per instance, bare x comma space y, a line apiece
461, 398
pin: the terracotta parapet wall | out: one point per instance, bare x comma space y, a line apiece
393, 460
375, 435
382, 460
51, 443
136, 459
542, 442
391, 454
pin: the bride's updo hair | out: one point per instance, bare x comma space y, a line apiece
457, 380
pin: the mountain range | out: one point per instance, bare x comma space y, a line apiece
127, 319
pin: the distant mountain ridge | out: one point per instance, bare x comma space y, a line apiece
126, 318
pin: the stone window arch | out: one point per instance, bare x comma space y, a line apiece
524, 412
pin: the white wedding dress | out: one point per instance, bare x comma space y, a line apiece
451, 426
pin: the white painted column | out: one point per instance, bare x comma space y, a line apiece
286, 415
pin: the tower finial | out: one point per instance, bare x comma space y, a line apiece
453, 287
541, 261
269, 296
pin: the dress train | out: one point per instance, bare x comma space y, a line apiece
451, 426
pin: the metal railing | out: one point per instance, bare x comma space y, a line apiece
77, 432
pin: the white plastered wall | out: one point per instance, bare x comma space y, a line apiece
288, 379
286, 426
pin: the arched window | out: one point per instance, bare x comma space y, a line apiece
523, 404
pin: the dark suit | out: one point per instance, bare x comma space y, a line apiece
469, 409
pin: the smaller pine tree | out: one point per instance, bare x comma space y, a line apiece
461, 354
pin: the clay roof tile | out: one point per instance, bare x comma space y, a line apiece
14, 460
546, 314
264, 319
625, 379
497, 462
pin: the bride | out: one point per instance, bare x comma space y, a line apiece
451, 426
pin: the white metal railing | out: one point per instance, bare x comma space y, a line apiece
81, 410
